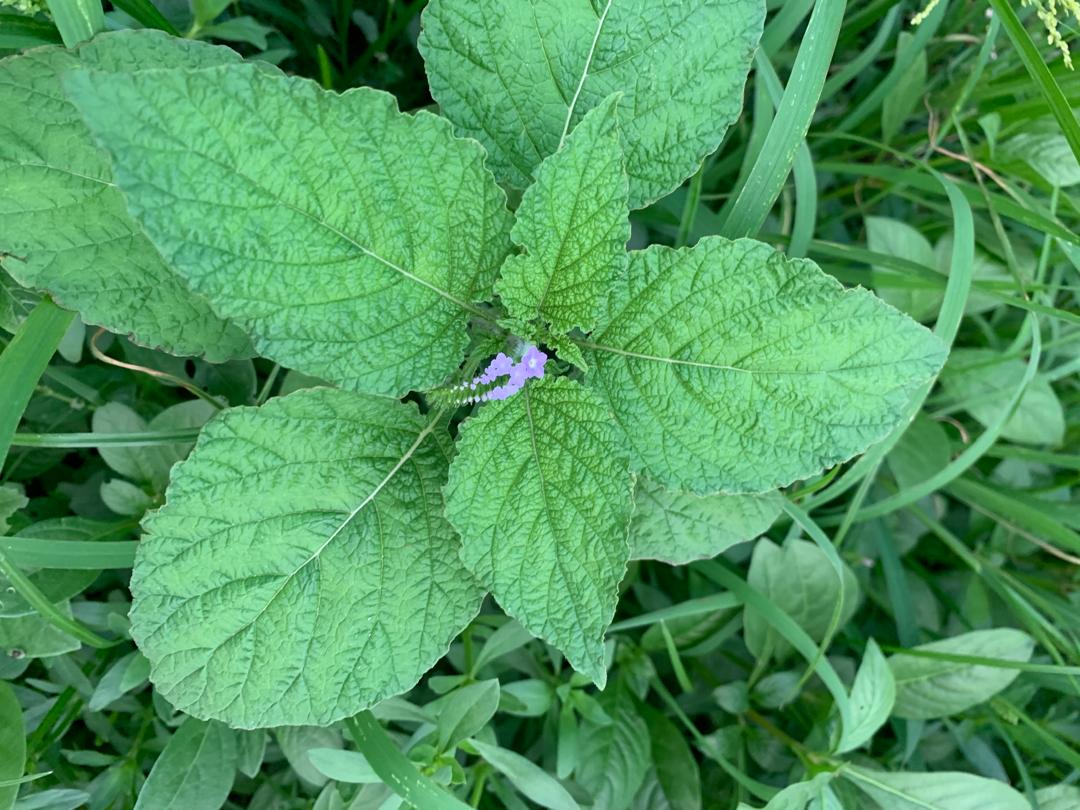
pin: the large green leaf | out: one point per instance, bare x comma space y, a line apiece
680, 527
194, 772
12, 745
800, 580
541, 496
615, 755
982, 381
1058, 797
519, 74
928, 688
573, 222
349, 239
66, 229
301, 569
945, 790
730, 367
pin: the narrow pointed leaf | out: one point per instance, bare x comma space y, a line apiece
66, 229
573, 223
615, 755
517, 75
540, 494
349, 239
872, 697
732, 368
316, 582
194, 772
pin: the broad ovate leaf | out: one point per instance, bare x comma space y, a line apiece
801, 795
982, 381
680, 527
541, 496
518, 75
928, 688
732, 368
799, 579
943, 790
301, 569
898, 239
573, 224
348, 238
66, 229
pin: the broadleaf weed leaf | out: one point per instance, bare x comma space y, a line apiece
573, 223
541, 495
731, 368
350, 240
301, 569
305, 565
66, 229
519, 75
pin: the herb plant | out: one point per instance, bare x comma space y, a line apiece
304, 566
496, 386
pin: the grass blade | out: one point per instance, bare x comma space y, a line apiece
395, 770
901, 66
48, 611
23, 362
1040, 73
146, 13
84, 555
864, 59
17, 31
78, 20
752, 202
72, 441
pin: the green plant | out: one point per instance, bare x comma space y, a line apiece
510, 349
356, 244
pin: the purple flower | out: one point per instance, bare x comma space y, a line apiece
533, 361
531, 366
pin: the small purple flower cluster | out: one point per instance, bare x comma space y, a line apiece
531, 365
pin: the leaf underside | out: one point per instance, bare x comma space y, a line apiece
301, 569
348, 238
680, 527
518, 75
65, 226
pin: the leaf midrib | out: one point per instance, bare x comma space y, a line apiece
233, 169
344, 523
584, 74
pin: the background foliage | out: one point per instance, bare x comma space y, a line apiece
933, 153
